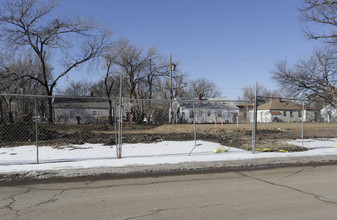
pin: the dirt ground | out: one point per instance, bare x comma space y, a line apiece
270, 136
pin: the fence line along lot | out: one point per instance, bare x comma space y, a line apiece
76, 134
201, 128
75, 122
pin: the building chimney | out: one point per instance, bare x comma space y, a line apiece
199, 96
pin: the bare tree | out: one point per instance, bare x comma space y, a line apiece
323, 15
130, 62
79, 89
11, 73
248, 93
312, 78
110, 79
204, 87
28, 24
179, 81
98, 88
156, 68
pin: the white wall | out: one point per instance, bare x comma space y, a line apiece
265, 116
203, 116
68, 116
329, 113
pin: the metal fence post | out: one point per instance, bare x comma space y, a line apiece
121, 131
254, 122
36, 133
119, 145
302, 124
195, 130
195, 126
115, 123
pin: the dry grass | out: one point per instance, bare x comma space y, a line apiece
187, 128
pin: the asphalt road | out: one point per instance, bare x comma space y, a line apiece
308, 192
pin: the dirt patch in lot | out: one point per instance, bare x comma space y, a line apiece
270, 136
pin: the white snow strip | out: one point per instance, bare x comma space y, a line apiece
166, 152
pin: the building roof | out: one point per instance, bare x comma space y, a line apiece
216, 104
86, 103
281, 105
245, 105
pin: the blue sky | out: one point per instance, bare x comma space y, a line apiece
233, 43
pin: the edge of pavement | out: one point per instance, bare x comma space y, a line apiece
96, 173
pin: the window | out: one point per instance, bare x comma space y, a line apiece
191, 114
219, 114
284, 113
299, 114
291, 114
94, 113
72, 113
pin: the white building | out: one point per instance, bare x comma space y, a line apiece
80, 110
329, 113
212, 110
284, 111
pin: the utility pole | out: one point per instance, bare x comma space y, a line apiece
254, 122
171, 90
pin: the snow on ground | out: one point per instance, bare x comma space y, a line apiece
166, 152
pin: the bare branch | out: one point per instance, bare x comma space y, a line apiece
312, 78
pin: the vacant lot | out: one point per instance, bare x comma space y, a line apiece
268, 134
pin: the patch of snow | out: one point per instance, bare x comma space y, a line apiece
165, 152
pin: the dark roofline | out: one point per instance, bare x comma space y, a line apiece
80, 100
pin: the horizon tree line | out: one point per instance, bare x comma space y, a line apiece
35, 40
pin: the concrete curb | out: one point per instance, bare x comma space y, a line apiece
166, 169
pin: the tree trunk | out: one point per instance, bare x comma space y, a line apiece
50, 110
10, 114
111, 119
1, 113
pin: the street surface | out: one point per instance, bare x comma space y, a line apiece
281, 193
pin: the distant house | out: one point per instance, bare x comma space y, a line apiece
244, 111
80, 110
329, 113
212, 110
284, 111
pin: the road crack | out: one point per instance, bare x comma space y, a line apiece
318, 197
295, 173
13, 200
156, 211
52, 199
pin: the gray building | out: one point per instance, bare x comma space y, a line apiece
212, 110
80, 110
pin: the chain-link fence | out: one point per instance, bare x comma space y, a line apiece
287, 124
40, 129
33, 131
